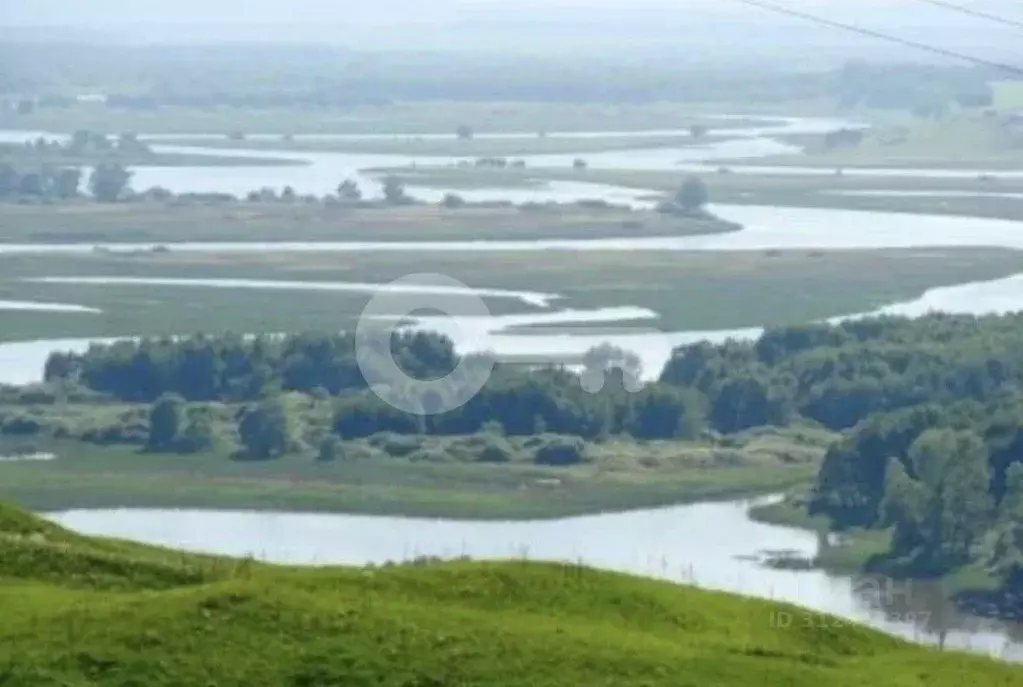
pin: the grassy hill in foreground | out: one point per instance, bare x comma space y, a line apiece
85, 611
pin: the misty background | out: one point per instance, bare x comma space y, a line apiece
723, 32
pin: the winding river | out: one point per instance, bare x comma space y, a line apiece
714, 545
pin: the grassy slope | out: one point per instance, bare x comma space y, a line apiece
82, 611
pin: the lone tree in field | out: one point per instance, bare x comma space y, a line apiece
349, 190
697, 131
265, 430
109, 182
166, 418
692, 195
394, 191
464, 132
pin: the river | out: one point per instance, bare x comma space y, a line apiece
713, 545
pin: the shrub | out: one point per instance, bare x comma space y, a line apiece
331, 449
495, 449
561, 451
396, 445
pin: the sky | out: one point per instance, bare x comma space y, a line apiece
719, 26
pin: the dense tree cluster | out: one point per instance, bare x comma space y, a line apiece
518, 400
107, 183
930, 408
934, 420
46, 183
236, 368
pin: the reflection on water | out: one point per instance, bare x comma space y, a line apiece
712, 545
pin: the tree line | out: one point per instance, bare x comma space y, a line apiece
930, 410
107, 183
520, 400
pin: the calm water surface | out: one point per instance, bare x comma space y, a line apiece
713, 545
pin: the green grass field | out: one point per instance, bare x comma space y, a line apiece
175, 221
439, 479
689, 290
87, 611
824, 191
477, 147
20, 158
961, 141
410, 118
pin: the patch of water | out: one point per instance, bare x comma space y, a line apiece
37, 306
536, 299
713, 545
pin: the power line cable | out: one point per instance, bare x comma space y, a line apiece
771, 7
969, 11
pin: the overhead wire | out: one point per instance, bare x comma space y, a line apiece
905, 42
969, 11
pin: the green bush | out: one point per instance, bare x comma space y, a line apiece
331, 449
561, 451
396, 445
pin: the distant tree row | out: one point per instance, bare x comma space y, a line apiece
107, 183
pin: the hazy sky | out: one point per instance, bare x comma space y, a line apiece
96, 12
695, 25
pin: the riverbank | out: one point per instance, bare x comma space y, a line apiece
980, 194
856, 552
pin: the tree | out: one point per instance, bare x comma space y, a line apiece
197, 435
165, 420
349, 190
561, 451
109, 182
1008, 555
79, 143
9, 179
265, 429
33, 184
945, 509
697, 131
67, 182
601, 359
331, 449
452, 201
129, 143
665, 413
692, 195
394, 191
579, 164
288, 195
464, 132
